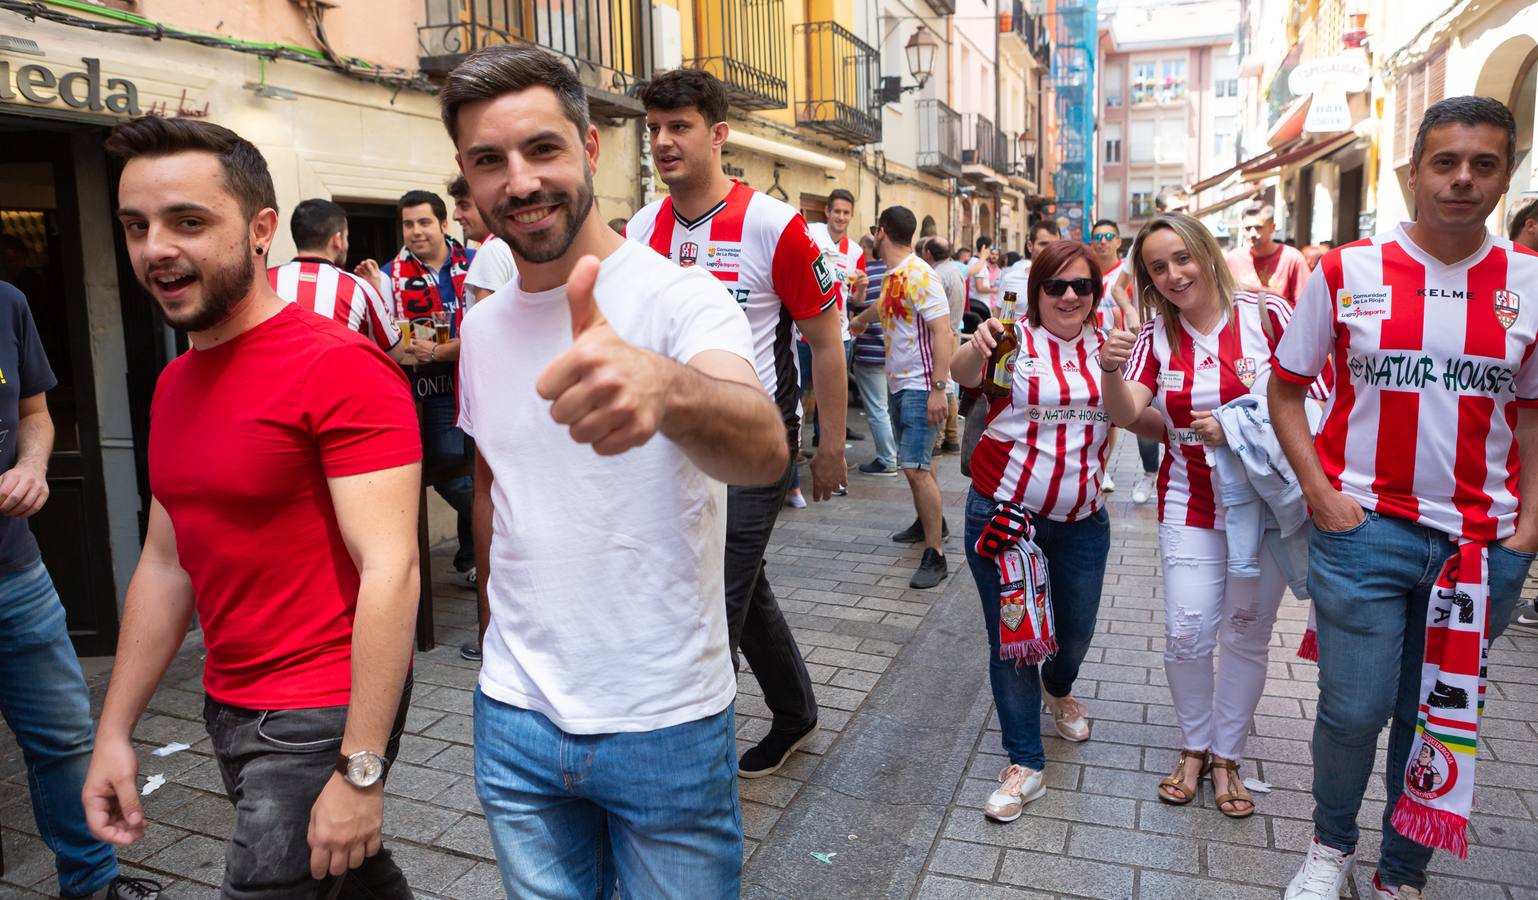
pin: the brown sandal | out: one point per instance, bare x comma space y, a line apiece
1236, 793
1174, 790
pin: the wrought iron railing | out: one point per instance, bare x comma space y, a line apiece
610, 41
939, 139
979, 147
842, 74
742, 42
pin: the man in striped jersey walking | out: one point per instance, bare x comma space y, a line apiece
1423, 533
316, 281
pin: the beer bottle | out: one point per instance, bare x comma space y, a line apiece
1000, 380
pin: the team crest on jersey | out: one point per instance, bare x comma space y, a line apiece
688, 253
1244, 367
1507, 304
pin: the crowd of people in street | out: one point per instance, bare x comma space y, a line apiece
621, 404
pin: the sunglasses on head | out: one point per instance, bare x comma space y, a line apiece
1104, 236
1057, 287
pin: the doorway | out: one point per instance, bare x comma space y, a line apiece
40, 233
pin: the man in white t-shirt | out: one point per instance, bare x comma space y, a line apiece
916, 321
1015, 277
610, 395
1429, 328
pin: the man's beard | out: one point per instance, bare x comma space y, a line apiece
547, 245
222, 289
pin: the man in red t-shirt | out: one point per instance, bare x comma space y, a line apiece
284, 463
1264, 264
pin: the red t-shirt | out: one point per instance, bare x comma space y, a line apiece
1283, 272
242, 439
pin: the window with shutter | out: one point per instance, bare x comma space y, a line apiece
1401, 120
1436, 77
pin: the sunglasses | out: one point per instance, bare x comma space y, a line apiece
1057, 287
1104, 236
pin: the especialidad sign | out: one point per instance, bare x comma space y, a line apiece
1329, 80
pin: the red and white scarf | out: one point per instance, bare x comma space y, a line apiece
416, 286
1025, 597
1439, 775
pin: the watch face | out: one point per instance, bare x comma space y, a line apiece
363, 769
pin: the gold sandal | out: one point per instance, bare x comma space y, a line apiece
1236, 793
1174, 790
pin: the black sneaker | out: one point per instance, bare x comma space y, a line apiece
914, 534
931, 570
125, 887
950, 447
470, 650
772, 752
851, 435
874, 467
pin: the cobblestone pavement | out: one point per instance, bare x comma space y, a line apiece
889, 794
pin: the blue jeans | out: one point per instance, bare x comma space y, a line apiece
45, 702
1370, 587
871, 381
910, 425
1076, 554
443, 444
641, 814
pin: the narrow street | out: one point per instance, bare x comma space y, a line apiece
887, 803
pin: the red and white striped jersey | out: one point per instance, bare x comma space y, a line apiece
1431, 362
1105, 313
844, 257
1045, 447
1204, 372
322, 288
760, 250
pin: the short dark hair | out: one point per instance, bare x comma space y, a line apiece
1522, 213
1011, 258
984, 241
1047, 225
1259, 210
314, 222
459, 188
899, 223
1163, 198
841, 194
1467, 110
938, 247
493, 71
1105, 223
682, 88
417, 198
245, 169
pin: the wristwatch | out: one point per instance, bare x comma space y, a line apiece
940, 386
362, 769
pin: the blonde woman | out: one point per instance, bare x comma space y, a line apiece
1201, 347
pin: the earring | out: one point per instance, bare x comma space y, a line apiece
260, 250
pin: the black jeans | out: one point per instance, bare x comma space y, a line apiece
443, 444
275, 764
753, 618
1149, 451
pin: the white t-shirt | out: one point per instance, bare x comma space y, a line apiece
911, 298
491, 268
1014, 279
606, 578
844, 258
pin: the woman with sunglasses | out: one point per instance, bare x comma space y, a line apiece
1200, 347
1045, 450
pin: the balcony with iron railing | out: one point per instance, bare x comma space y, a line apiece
609, 42
980, 146
1031, 29
939, 148
842, 74
742, 42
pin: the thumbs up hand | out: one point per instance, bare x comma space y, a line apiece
613, 395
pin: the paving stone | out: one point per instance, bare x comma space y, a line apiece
195, 856
976, 861
469, 836
1075, 877
1132, 848
1165, 886
482, 882
429, 870
936, 887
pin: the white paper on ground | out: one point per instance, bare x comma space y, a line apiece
152, 785
168, 749
1258, 786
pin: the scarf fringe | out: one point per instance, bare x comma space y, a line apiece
1309, 649
1430, 827
1029, 653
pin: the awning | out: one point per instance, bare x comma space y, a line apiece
1226, 202
1257, 159
1289, 126
1301, 156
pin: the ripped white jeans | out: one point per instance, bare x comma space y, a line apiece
1205, 607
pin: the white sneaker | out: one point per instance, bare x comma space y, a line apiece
1017, 787
1142, 489
1069, 717
1324, 875
1403, 892
1108, 484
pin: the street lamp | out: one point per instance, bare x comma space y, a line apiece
920, 52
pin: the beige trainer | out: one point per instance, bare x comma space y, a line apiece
1069, 717
1017, 787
